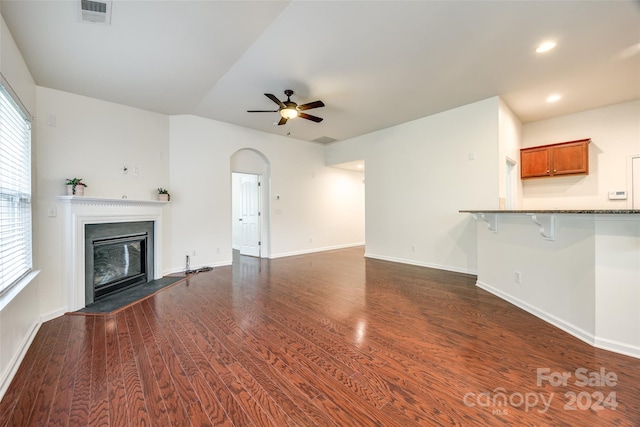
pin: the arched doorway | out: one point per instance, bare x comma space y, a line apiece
250, 179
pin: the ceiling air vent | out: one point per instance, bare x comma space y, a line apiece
97, 12
324, 140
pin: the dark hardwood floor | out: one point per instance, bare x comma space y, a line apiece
328, 339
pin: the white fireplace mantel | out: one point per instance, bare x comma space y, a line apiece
79, 211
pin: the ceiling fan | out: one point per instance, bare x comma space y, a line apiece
289, 109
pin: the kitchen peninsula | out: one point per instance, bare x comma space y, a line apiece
577, 269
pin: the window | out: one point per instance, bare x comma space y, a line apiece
15, 190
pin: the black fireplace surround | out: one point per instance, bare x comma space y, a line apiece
118, 256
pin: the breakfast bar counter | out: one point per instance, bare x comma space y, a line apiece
561, 211
578, 269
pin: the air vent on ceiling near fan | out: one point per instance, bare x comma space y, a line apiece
324, 140
97, 12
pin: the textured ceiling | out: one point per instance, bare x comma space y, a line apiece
375, 64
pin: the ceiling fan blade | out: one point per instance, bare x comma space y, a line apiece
282, 121
310, 105
262, 111
310, 117
274, 99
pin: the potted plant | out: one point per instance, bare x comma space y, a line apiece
75, 186
163, 195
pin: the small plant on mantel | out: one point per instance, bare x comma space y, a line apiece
75, 186
163, 194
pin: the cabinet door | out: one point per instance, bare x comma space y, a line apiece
571, 159
535, 162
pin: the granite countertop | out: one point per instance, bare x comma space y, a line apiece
559, 211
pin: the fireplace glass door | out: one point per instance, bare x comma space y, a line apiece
118, 263
118, 256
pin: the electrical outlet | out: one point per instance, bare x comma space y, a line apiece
517, 277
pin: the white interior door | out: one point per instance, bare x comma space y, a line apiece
635, 183
249, 215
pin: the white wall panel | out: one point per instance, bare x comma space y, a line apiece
419, 174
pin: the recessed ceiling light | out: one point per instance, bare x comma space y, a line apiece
546, 46
553, 98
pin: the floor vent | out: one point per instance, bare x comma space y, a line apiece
96, 12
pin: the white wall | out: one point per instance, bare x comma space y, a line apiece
20, 318
15, 70
319, 207
617, 291
559, 286
249, 161
419, 174
615, 135
509, 142
93, 140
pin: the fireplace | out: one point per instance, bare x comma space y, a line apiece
118, 256
80, 212
118, 263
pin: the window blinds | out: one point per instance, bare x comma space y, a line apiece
15, 192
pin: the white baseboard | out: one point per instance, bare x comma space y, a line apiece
579, 333
310, 251
569, 328
53, 314
618, 347
422, 264
8, 375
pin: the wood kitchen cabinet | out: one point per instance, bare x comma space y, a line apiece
565, 158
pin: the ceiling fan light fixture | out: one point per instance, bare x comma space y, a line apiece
546, 46
290, 110
553, 98
289, 113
